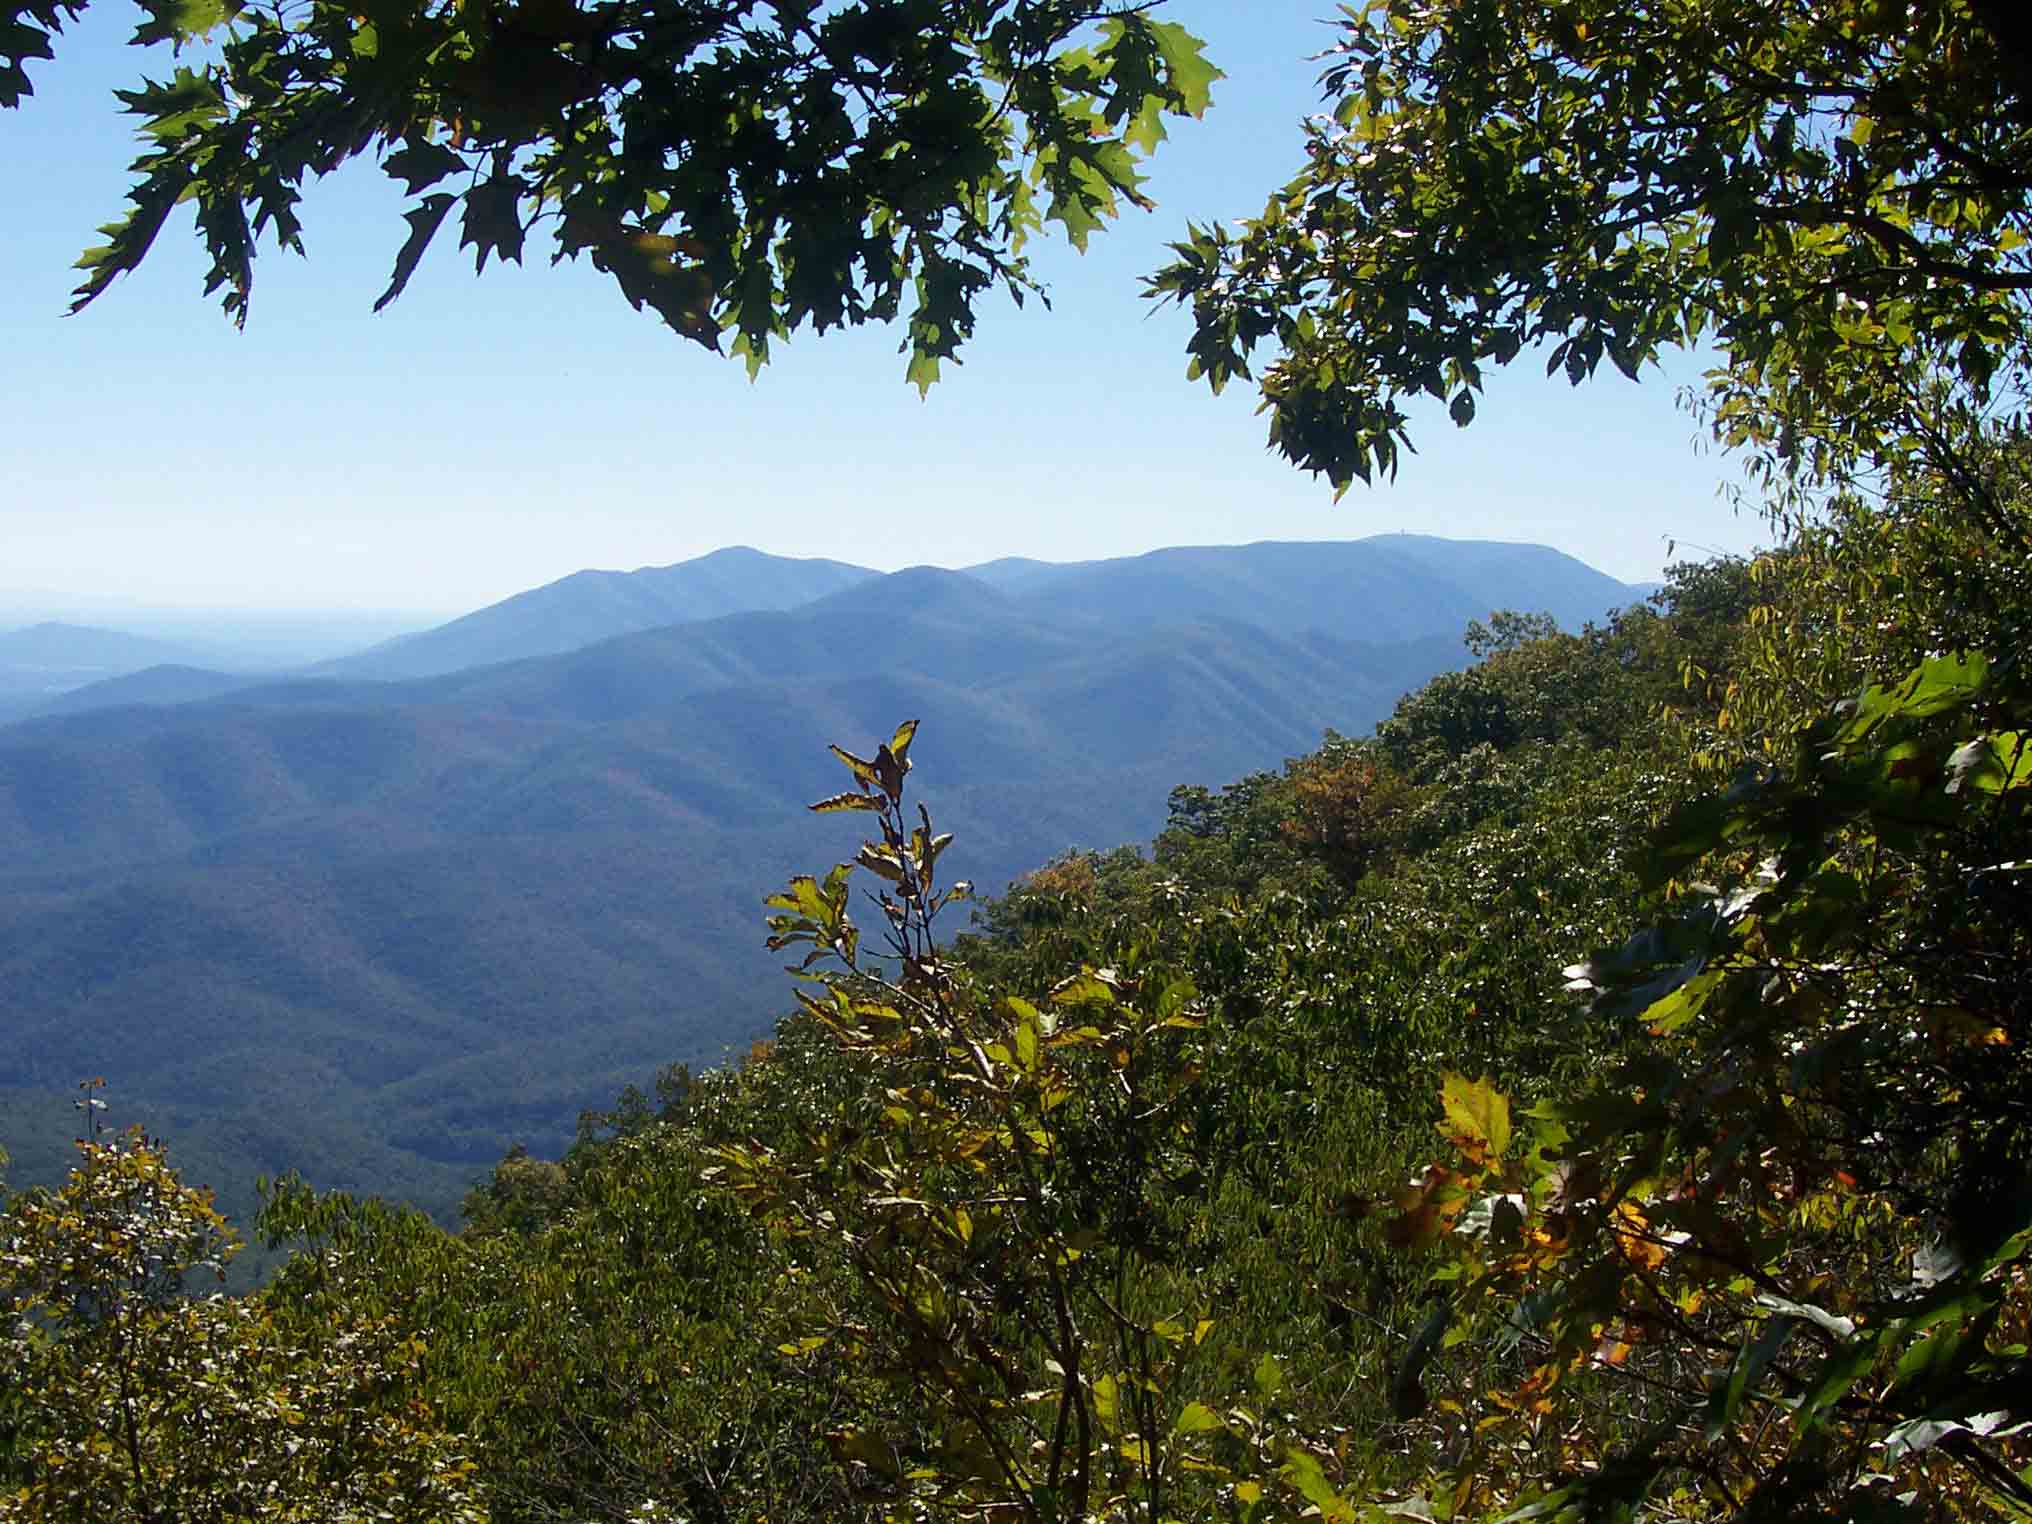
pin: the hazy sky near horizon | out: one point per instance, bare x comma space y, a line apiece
484, 436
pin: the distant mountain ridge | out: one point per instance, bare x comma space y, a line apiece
1386, 588
43, 661
590, 606
1383, 588
57, 646
167, 683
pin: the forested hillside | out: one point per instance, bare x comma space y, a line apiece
1597, 1093
1100, 1196
387, 930
384, 930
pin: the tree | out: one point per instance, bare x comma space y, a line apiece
127, 1399
1772, 1261
603, 1350
1834, 195
733, 166
1795, 1223
1007, 1194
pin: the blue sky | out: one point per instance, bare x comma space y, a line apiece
483, 436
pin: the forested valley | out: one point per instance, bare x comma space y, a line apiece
1601, 1093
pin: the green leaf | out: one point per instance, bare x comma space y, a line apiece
493, 220
922, 372
190, 102
1107, 1400
1086, 988
20, 41
650, 273
420, 163
1991, 763
1926, 1373
1268, 1379
181, 21
2016, 1243
131, 237
1683, 1004
423, 222
1838, 1375
1725, 1401
1305, 1474
1198, 1418
1189, 74
1552, 1503
1026, 1043
1936, 685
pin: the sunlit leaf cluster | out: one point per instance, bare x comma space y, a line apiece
1830, 195
743, 171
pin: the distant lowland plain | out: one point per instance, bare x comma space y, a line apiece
380, 914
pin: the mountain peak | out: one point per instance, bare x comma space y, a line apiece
919, 591
591, 605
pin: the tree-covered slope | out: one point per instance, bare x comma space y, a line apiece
167, 683
449, 914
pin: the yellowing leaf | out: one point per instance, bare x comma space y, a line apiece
1636, 1238
899, 744
1477, 1117
846, 802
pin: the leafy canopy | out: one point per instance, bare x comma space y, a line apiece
1833, 195
735, 167
124, 1396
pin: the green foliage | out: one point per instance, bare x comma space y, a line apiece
1786, 1240
1747, 1236
128, 1400
991, 1198
614, 1354
1831, 195
1081, 1215
1150, 1173
740, 170
1534, 684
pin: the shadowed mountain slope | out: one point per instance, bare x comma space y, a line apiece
170, 683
